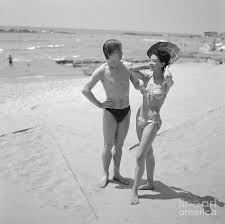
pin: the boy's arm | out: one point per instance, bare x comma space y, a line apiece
137, 74
130, 65
138, 84
135, 70
86, 91
135, 82
139, 67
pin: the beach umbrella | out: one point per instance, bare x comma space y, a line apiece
171, 48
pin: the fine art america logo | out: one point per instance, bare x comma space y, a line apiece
197, 208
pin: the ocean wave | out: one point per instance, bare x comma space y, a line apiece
89, 65
64, 59
1, 50
134, 34
21, 60
31, 76
45, 46
143, 34
153, 40
31, 48
87, 62
35, 30
55, 45
79, 63
57, 58
17, 30
16, 49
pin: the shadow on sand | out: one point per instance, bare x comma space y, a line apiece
170, 192
166, 192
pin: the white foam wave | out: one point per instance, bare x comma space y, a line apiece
55, 45
21, 59
31, 48
1, 50
45, 46
39, 76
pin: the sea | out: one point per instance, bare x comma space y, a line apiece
35, 51
36, 78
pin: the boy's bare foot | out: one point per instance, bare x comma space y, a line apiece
147, 186
103, 182
134, 198
121, 179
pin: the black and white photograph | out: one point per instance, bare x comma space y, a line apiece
112, 112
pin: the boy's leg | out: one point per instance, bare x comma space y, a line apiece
109, 132
121, 133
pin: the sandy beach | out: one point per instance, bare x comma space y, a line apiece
50, 154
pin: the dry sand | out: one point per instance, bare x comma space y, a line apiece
50, 154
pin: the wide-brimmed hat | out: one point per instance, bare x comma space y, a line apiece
172, 49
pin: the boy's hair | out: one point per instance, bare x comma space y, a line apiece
163, 56
110, 46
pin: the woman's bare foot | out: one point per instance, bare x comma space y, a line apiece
103, 182
121, 179
134, 198
147, 186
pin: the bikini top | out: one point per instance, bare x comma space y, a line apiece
154, 91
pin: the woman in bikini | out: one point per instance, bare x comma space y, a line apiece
148, 119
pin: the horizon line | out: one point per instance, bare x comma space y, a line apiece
107, 29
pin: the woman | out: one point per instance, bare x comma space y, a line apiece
148, 121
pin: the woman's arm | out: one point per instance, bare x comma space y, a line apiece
168, 80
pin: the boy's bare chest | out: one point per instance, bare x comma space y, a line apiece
117, 77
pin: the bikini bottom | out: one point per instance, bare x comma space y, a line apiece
155, 119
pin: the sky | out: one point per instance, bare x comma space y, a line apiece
180, 16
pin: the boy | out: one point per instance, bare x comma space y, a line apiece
116, 109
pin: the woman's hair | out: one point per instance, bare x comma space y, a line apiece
163, 56
110, 46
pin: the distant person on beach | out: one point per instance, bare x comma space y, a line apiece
116, 109
10, 60
148, 121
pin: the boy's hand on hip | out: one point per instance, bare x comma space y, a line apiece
106, 104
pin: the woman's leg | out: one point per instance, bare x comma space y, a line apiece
139, 129
148, 136
150, 166
109, 132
